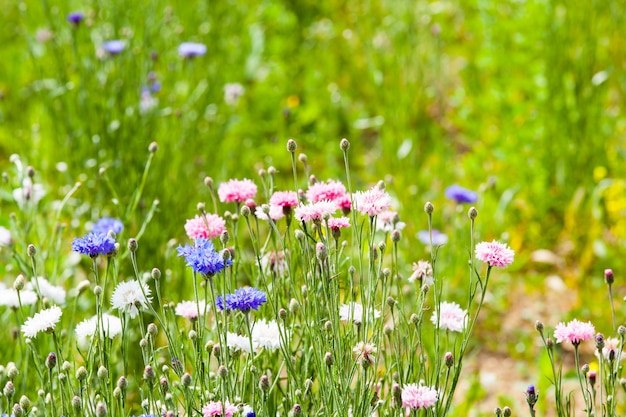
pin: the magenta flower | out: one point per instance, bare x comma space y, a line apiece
236, 191
575, 332
451, 317
315, 211
284, 199
208, 226
417, 397
330, 190
495, 254
372, 202
214, 408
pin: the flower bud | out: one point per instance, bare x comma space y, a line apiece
292, 145
18, 284
294, 306
531, 396
448, 359
103, 373
152, 329
472, 213
328, 359
9, 389
149, 374
608, 276
296, 411
51, 360
506, 412
122, 383
264, 383
25, 403
344, 145
132, 244
156, 274
153, 147
320, 251
621, 330
186, 379
592, 378
17, 410
429, 208
31, 251
222, 371
77, 404
81, 374
539, 326
101, 410
395, 236
282, 314
599, 342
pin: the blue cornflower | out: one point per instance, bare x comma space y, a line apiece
94, 245
461, 195
191, 49
244, 299
203, 258
106, 224
114, 47
439, 238
75, 18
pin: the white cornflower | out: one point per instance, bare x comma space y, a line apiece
354, 312
52, 292
266, 335
9, 298
237, 342
5, 236
423, 271
451, 317
129, 298
111, 327
44, 321
190, 309
29, 193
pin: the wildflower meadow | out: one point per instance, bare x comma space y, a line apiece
271, 208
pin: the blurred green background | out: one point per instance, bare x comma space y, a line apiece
522, 101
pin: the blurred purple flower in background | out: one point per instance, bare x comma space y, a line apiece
113, 47
461, 195
75, 18
191, 49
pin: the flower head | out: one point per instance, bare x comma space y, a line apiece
106, 225
611, 350
418, 397
338, 222
94, 244
236, 191
215, 408
9, 297
284, 199
423, 271
44, 321
5, 236
389, 220
55, 293
575, 332
232, 93
276, 213
330, 190
274, 262
75, 18
130, 296
114, 47
244, 299
354, 312
451, 317
191, 49
208, 226
190, 309
495, 253
111, 327
460, 195
266, 335
372, 202
28, 193
365, 353
203, 258
237, 342
315, 211
438, 237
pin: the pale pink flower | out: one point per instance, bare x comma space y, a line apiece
389, 220
372, 202
423, 271
451, 317
418, 397
354, 312
315, 211
274, 262
236, 191
338, 222
495, 253
575, 332
611, 350
208, 226
276, 213
190, 309
214, 408
284, 199
365, 353
331, 190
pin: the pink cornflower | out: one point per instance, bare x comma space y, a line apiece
214, 408
236, 191
575, 332
417, 397
611, 350
451, 317
331, 190
338, 222
389, 220
364, 352
315, 211
208, 226
495, 253
423, 271
190, 309
284, 199
372, 202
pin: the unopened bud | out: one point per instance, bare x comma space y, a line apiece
31, 251
344, 145
448, 359
506, 412
149, 374
122, 383
132, 244
296, 411
153, 147
152, 329
156, 274
429, 208
222, 371
103, 373
294, 306
539, 326
321, 252
395, 236
292, 145
328, 359
77, 404
51, 360
608, 276
245, 211
101, 410
18, 284
25, 402
186, 379
9, 389
264, 383
472, 214
81, 374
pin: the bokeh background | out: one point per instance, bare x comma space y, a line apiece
521, 101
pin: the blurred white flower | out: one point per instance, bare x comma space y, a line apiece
29, 193
52, 292
354, 311
232, 93
128, 297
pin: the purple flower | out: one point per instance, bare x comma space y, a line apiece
244, 299
203, 258
191, 49
94, 245
114, 47
106, 224
75, 18
438, 237
461, 195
